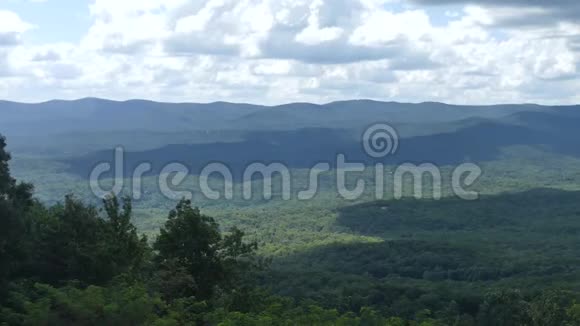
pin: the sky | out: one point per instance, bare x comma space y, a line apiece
280, 51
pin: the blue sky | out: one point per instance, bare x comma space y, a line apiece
55, 20
275, 51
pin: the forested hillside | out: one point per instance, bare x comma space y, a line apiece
74, 264
70, 258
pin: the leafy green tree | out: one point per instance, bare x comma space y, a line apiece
76, 243
504, 308
549, 308
119, 304
15, 200
573, 315
129, 252
192, 242
71, 245
6, 181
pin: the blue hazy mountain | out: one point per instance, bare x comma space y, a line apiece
90, 114
86, 131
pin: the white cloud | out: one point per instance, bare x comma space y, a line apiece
11, 28
274, 51
314, 34
382, 27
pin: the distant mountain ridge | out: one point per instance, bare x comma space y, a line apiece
92, 124
99, 114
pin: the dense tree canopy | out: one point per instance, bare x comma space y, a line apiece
79, 264
192, 242
15, 200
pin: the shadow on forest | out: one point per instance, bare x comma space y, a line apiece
306, 147
548, 211
506, 236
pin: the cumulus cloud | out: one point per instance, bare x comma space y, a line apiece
48, 55
11, 28
522, 12
275, 51
5, 70
308, 31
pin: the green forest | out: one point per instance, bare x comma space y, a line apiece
290, 162
507, 259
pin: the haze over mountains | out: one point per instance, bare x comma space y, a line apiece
84, 132
91, 114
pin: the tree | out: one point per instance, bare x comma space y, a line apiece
549, 308
76, 243
6, 180
128, 251
504, 308
192, 242
117, 304
71, 244
19, 195
15, 200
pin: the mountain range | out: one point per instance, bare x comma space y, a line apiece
86, 131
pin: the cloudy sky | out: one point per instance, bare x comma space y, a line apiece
277, 51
